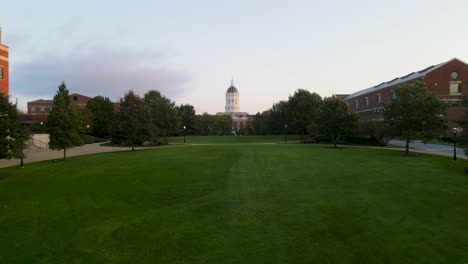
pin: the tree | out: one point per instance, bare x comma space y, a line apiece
415, 112
103, 115
303, 109
335, 120
63, 122
278, 117
206, 124
131, 123
223, 124
164, 117
13, 136
187, 117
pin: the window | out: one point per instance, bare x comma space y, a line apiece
393, 95
33, 109
1, 73
75, 98
455, 104
367, 101
455, 88
357, 104
42, 109
379, 99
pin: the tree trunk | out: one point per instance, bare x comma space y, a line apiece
334, 141
133, 145
64, 153
21, 163
407, 146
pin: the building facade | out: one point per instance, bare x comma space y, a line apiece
240, 120
4, 68
448, 81
43, 107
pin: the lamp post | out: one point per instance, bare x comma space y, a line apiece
285, 133
184, 134
455, 131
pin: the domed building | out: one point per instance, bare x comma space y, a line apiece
232, 99
240, 120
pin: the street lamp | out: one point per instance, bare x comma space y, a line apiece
285, 133
455, 132
184, 134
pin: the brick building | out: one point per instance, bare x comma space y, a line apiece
43, 107
4, 68
448, 81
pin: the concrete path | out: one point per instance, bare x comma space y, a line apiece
444, 150
40, 155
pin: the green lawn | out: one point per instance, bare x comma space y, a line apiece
236, 204
232, 139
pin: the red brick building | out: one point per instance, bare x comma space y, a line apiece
4, 68
448, 81
42, 106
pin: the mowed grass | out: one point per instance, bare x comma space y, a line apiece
236, 204
189, 139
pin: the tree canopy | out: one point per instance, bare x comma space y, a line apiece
13, 136
335, 120
63, 122
102, 116
415, 112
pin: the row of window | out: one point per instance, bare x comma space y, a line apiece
40, 109
455, 89
1, 73
366, 100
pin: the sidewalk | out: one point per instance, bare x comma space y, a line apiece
58, 154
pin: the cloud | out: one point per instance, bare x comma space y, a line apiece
96, 71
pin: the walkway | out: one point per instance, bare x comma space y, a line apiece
443, 150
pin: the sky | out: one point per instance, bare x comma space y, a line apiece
190, 50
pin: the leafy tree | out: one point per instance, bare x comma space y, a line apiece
261, 123
13, 136
206, 124
63, 122
164, 117
131, 123
415, 112
278, 117
187, 117
223, 124
303, 110
335, 120
103, 115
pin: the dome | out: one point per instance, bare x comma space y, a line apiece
232, 88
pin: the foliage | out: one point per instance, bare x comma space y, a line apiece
131, 123
103, 116
303, 110
164, 118
223, 124
13, 135
206, 124
187, 117
335, 121
415, 112
63, 122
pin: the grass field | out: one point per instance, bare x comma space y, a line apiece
236, 204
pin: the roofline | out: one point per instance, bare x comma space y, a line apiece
434, 67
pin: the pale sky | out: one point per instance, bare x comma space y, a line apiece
190, 50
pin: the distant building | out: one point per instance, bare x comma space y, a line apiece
4, 68
448, 81
240, 119
43, 107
